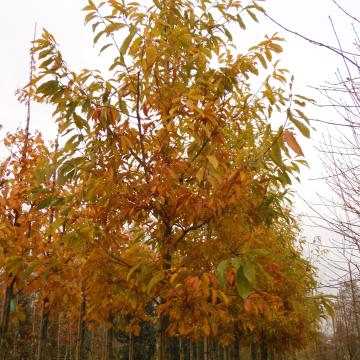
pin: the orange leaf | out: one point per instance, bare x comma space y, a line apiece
248, 305
289, 138
230, 276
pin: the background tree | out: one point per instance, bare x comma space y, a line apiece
339, 209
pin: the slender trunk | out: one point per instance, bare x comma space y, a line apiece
206, 348
253, 352
264, 351
44, 322
80, 351
198, 350
163, 339
5, 313
25, 328
236, 350
218, 352
181, 348
272, 355
191, 350
131, 347
163, 342
227, 352
33, 342
5, 318
109, 342
58, 352
355, 305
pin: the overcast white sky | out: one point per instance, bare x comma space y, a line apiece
309, 64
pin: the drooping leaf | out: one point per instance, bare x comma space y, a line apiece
125, 45
45, 203
153, 282
221, 273
289, 138
242, 284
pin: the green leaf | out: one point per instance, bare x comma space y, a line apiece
228, 34
89, 17
123, 107
59, 202
236, 263
242, 284
249, 272
80, 122
48, 88
220, 273
153, 282
275, 153
104, 48
45, 203
305, 131
98, 36
241, 22
252, 15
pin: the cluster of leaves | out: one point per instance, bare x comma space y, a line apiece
171, 187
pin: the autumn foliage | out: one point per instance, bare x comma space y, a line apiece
165, 202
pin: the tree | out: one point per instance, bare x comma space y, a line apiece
174, 181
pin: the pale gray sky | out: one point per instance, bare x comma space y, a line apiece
309, 64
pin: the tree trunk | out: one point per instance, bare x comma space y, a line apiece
264, 351
25, 327
44, 322
5, 313
181, 348
198, 350
109, 342
58, 350
236, 349
163, 345
354, 304
206, 348
191, 350
80, 350
163, 339
4, 326
253, 352
131, 347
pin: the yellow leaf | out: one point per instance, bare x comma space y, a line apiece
213, 161
151, 55
200, 175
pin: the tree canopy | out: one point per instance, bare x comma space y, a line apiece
166, 200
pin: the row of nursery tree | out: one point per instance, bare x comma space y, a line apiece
342, 340
158, 224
